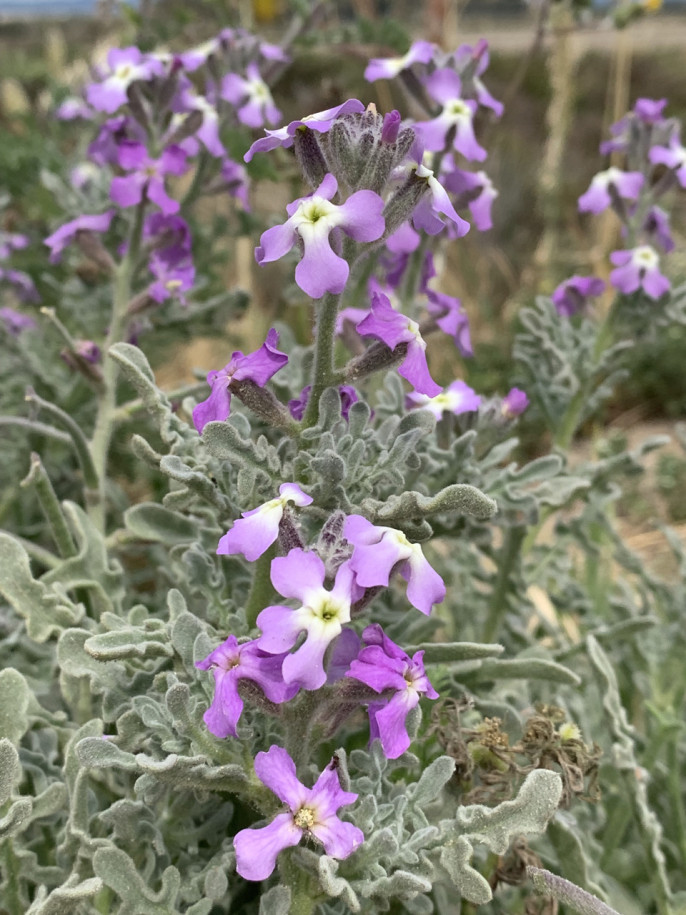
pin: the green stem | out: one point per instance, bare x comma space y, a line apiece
507, 560
323, 375
261, 590
107, 399
88, 467
32, 425
51, 507
677, 796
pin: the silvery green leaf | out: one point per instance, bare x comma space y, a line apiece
334, 886
276, 901
225, 441
100, 753
432, 780
526, 669
529, 812
65, 899
15, 696
140, 642
445, 652
116, 870
455, 857
151, 521
10, 769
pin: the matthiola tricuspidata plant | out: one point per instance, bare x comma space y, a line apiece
326, 657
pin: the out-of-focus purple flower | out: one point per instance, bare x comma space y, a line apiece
639, 268
386, 324
258, 367
404, 240
457, 398
648, 112
312, 219
208, 133
72, 109
237, 183
572, 296
251, 96
445, 87
172, 279
420, 52
321, 615
383, 666
320, 122
89, 350
514, 403
257, 529
15, 322
451, 318
656, 227
673, 156
168, 233
230, 663
377, 550
598, 197
475, 190
312, 813
477, 56
427, 214
23, 284
65, 235
126, 66
146, 176
348, 398
11, 241
104, 150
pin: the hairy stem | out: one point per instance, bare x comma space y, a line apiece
323, 375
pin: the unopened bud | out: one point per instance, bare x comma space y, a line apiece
309, 156
391, 127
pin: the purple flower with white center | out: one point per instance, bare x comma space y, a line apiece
514, 403
11, 241
421, 52
386, 324
312, 813
15, 322
321, 615
257, 529
230, 663
172, 279
449, 315
311, 220
445, 87
66, 234
383, 666
257, 367
464, 56
571, 297
208, 132
126, 66
673, 156
639, 268
378, 550
656, 227
252, 97
145, 180
598, 197
348, 398
72, 109
475, 190
427, 214
23, 284
320, 122
457, 398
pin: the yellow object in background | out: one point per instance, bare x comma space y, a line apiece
266, 10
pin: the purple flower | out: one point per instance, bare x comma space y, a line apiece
146, 178
104, 150
172, 279
72, 109
208, 132
321, 616
230, 663
457, 398
312, 813
639, 268
449, 315
126, 66
445, 87
646, 111
257, 367
311, 220
236, 177
572, 296
383, 666
22, 282
389, 67
427, 214
377, 550
347, 392
15, 322
320, 122
65, 235
598, 197
673, 156
656, 227
514, 403
464, 57
258, 528
252, 97
170, 234
475, 190
11, 241
650, 110
392, 328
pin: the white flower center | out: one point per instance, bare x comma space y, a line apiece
457, 110
646, 258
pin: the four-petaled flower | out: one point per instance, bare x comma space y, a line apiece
571, 296
599, 195
126, 66
379, 549
457, 398
257, 367
312, 812
383, 666
445, 87
65, 235
311, 220
639, 268
146, 176
231, 662
321, 615
320, 122
393, 328
673, 156
258, 528
251, 96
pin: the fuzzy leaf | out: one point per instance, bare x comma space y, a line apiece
432, 780
117, 870
65, 899
526, 669
129, 643
455, 857
276, 901
14, 702
444, 653
10, 769
154, 522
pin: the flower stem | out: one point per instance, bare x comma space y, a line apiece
323, 375
261, 590
507, 560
